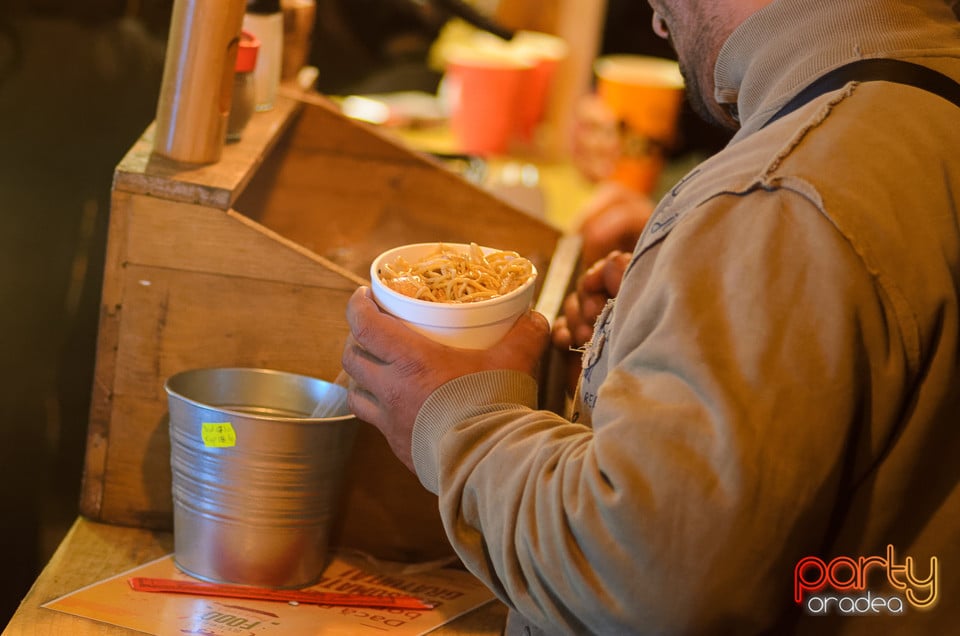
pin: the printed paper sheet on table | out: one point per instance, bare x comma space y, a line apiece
113, 601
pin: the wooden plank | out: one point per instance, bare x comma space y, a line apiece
558, 279
89, 553
98, 429
189, 237
250, 262
93, 551
137, 486
175, 320
235, 253
216, 185
558, 282
321, 125
349, 205
183, 320
385, 511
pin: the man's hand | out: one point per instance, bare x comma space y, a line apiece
574, 328
613, 219
394, 369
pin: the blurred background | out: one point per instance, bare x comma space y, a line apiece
78, 84
79, 81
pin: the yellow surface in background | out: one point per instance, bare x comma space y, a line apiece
565, 191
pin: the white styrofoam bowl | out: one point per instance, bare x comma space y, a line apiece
471, 325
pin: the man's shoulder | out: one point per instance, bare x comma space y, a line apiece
748, 165
868, 142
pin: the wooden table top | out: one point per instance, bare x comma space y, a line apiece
94, 551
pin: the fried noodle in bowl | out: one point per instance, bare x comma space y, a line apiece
459, 294
453, 276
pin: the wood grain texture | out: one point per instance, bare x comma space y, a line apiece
142, 171
94, 551
250, 262
349, 192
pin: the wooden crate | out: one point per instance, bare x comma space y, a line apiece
250, 262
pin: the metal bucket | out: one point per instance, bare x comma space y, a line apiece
256, 480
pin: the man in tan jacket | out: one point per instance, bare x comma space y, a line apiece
768, 417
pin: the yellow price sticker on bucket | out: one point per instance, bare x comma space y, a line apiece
218, 434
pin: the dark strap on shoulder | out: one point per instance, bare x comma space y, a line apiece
871, 70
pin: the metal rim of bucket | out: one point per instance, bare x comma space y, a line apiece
170, 387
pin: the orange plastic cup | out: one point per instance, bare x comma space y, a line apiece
484, 93
645, 95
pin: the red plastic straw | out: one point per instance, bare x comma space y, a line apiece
147, 584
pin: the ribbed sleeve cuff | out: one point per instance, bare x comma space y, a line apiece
461, 399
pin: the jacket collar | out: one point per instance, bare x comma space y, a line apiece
783, 47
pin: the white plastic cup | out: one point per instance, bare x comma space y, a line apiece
471, 325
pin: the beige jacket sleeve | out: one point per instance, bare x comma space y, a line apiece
733, 387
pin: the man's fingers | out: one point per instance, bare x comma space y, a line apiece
358, 364
582, 334
373, 330
561, 336
592, 280
591, 306
531, 333
363, 404
613, 271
